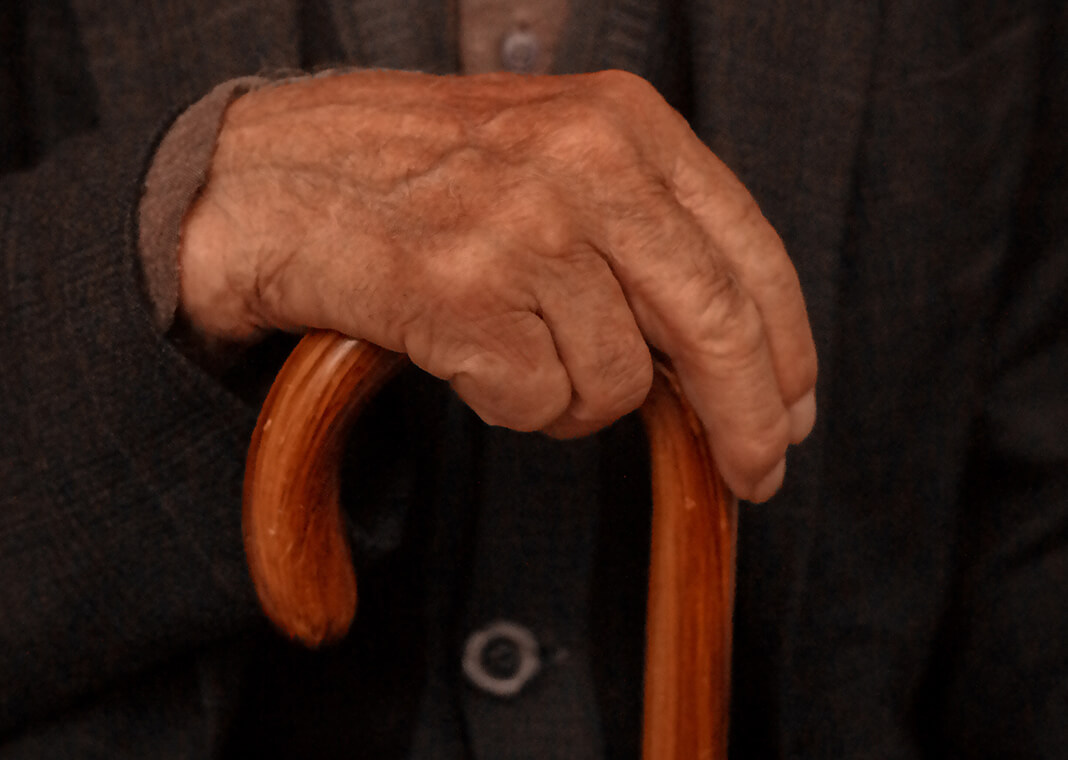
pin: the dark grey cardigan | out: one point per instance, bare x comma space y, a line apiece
904, 595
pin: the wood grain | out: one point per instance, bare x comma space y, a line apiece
691, 586
295, 538
301, 564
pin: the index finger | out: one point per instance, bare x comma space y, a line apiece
714, 288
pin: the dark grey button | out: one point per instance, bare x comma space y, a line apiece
501, 658
519, 51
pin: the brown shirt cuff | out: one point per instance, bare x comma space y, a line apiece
178, 171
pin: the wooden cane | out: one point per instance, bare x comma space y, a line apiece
301, 564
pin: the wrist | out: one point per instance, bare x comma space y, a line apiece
213, 278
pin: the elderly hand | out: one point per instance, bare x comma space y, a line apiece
525, 238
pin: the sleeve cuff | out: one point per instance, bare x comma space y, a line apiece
178, 171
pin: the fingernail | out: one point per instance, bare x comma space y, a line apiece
771, 482
802, 417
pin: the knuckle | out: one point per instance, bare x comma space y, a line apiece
728, 327
460, 288
509, 374
479, 283
747, 213
624, 375
640, 222
737, 215
530, 401
625, 86
640, 103
747, 231
532, 216
590, 134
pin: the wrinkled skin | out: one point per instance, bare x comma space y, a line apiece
525, 238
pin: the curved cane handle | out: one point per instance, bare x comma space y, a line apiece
295, 541
301, 564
